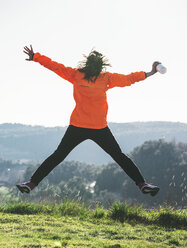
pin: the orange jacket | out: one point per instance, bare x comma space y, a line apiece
91, 101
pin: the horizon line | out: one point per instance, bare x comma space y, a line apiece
111, 122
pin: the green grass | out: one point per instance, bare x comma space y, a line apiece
71, 224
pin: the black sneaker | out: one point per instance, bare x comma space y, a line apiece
148, 188
26, 187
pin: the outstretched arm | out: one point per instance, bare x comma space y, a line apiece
66, 73
121, 80
153, 71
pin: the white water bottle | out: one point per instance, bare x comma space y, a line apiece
160, 68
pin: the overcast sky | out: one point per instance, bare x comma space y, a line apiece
132, 34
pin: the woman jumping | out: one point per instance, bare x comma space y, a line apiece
89, 117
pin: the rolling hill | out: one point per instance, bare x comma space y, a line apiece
25, 142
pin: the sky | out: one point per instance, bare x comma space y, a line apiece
132, 34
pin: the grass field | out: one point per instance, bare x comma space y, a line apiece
72, 225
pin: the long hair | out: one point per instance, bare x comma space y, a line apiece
93, 65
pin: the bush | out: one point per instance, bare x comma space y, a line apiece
169, 217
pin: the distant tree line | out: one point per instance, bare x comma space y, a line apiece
162, 163
35, 143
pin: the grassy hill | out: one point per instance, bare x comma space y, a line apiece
26, 142
70, 224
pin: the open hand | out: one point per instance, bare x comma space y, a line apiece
30, 52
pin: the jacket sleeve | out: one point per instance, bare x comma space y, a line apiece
66, 73
120, 80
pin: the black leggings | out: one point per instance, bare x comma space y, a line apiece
74, 136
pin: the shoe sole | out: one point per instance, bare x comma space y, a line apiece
152, 192
155, 192
23, 189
